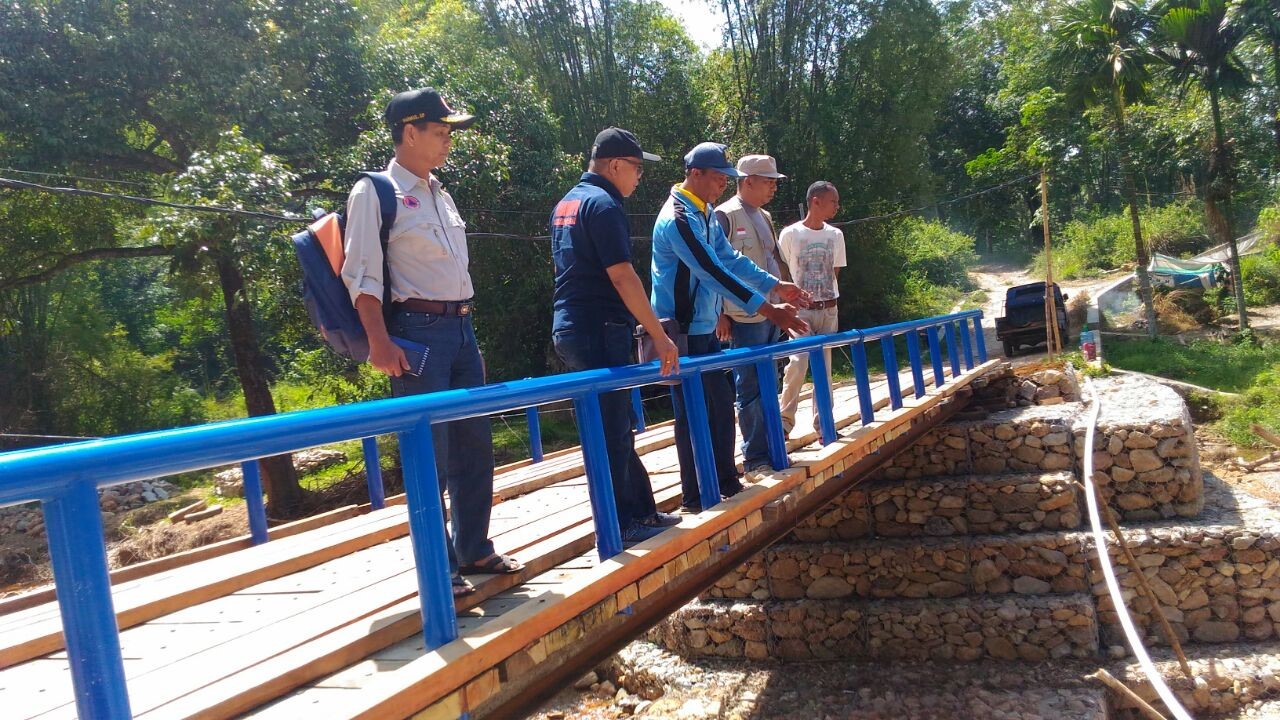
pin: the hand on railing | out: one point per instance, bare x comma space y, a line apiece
791, 293
668, 353
784, 317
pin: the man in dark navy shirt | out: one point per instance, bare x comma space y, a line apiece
598, 300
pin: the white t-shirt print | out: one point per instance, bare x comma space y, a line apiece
812, 256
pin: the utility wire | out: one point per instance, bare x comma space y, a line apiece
900, 213
23, 185
73, 177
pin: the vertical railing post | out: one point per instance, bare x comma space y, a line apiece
534, 426
595, 460
953, 350
695, 411
822, 401
917, 368
890, 354
935, 355
373, 473
865, 407
979, 338
73, 526
637, 408
767, 377
965, 343
427, 535
254, 505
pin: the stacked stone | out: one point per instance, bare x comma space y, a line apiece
965, 629
1048, 387
29, 520
1150, 472
1030, 564
894, 569
941, 451
1216, 584
945, 506
1024, 441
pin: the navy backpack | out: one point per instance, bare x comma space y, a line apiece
321, 252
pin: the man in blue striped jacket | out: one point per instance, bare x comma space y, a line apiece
694, 270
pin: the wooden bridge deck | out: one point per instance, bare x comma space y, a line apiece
325, 622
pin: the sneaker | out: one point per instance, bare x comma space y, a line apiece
660, 519
690, 509
637, 533
730, 490
756, 474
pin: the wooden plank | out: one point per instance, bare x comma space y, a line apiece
420, 682
186, 557
219, 577
251, 686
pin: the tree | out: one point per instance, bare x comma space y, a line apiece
140, 90
1201, 38
1264, 18
1102, 48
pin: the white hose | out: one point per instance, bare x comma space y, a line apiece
1104, 559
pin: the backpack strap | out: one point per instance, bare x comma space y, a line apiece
386, 191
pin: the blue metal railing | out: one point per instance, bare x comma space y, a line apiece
65, 479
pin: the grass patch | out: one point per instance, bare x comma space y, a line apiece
1231, 367
1252, 369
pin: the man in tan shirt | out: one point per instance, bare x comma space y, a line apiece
749, 228
430, 294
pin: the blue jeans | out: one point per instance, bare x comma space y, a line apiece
719, 399
464, 448
592, 344
755, 443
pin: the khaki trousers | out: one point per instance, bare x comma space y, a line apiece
821, 322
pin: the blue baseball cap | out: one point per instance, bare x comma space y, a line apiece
710, 156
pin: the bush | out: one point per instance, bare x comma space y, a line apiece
935, 252
1260, 404
1262, 277
1090, 246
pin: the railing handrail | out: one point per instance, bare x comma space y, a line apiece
41, 473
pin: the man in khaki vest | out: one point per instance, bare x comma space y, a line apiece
749, 228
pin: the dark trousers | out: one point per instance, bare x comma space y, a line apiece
718, 395
464, 448
588, 345
755, 441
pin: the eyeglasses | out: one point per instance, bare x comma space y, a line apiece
637, 164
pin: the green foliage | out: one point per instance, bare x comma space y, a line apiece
908, 268
1231, 367
1260, 404
1262, 277
1090, 246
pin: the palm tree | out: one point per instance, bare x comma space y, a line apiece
1101, 47
1202, 37
1264, 18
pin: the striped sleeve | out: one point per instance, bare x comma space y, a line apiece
694, 252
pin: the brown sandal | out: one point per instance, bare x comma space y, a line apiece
462, 587
495, 564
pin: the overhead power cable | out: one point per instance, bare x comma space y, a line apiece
73, 177
912, 211
23, 185
273, 217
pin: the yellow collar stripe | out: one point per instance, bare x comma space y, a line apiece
697, 201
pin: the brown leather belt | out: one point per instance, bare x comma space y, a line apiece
433, 307
822, 304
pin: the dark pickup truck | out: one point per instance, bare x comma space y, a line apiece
1023, 321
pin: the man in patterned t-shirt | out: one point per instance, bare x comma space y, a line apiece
814, 252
